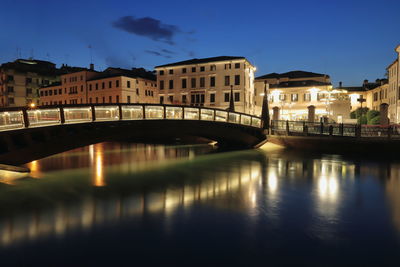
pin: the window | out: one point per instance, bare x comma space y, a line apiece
55, 91
213, 68
128, 98
184, 99
117, 83
137, 91
237, 97
171, 98
237, 79
282, 97
28, 80
183, 83
90, 87
171, 84
29, 91
212, 81
117, 99
227, 81
237, 65
11, 100
161, 99
228, 66
161, 85
110, 99
81, 88
376, 96
10, 78
183, 70
226, 97
193, 69
97, 86
193, 82
161, 72
202, 68
41, 93
128, 84
202, 81
307, 97
212, 98
60, 91
10, 89
171, 71
104, 100
109, 84
103, 85
295, 97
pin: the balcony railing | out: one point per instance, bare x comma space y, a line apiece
70, 114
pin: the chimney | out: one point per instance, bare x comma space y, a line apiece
365, 82
91, 66
340, 84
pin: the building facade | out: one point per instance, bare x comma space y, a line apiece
208, 82
114, 85
394, 88
293, 95
20, 81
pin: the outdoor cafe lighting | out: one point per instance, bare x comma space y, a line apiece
32, 105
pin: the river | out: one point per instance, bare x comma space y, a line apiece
154, 205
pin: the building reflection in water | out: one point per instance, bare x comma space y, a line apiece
254, 186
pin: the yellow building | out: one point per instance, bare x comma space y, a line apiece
114, 85
293, 94
208, 82
394, 88
20, 81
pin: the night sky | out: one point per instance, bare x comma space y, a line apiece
350, 40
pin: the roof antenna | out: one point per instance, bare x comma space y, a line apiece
91, 55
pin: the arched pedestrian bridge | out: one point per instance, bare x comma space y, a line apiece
29, 134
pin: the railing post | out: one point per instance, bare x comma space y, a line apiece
341, 129
62, 115
165, 112
25, 116
321, 129
144, 112
199, 113
330, 130
358, 130
93, 113
389, 131
287, 127
183, 113
214, 115
120, 111
305, 128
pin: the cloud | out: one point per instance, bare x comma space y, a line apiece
148, 27
166, 51
156, 53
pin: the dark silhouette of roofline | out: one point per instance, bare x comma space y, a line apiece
201, 61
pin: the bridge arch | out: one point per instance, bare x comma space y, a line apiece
28, 134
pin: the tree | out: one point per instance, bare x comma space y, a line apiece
356, 114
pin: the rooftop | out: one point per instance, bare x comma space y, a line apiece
200, 61
133, 73
31, 65
305, 83
292, 75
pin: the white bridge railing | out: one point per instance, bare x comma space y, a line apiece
45, 116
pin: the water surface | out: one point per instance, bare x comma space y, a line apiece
145, 205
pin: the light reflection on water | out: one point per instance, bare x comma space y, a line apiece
316, 193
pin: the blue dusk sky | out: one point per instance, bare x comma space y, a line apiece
351, 40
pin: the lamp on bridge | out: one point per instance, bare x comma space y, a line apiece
265, 108
231, 101
32, 105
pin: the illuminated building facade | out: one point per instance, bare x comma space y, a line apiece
208, 82
20, 81
114, 85
293, 94
394, 88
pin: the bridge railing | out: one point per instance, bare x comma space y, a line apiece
71, 114
334, 129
